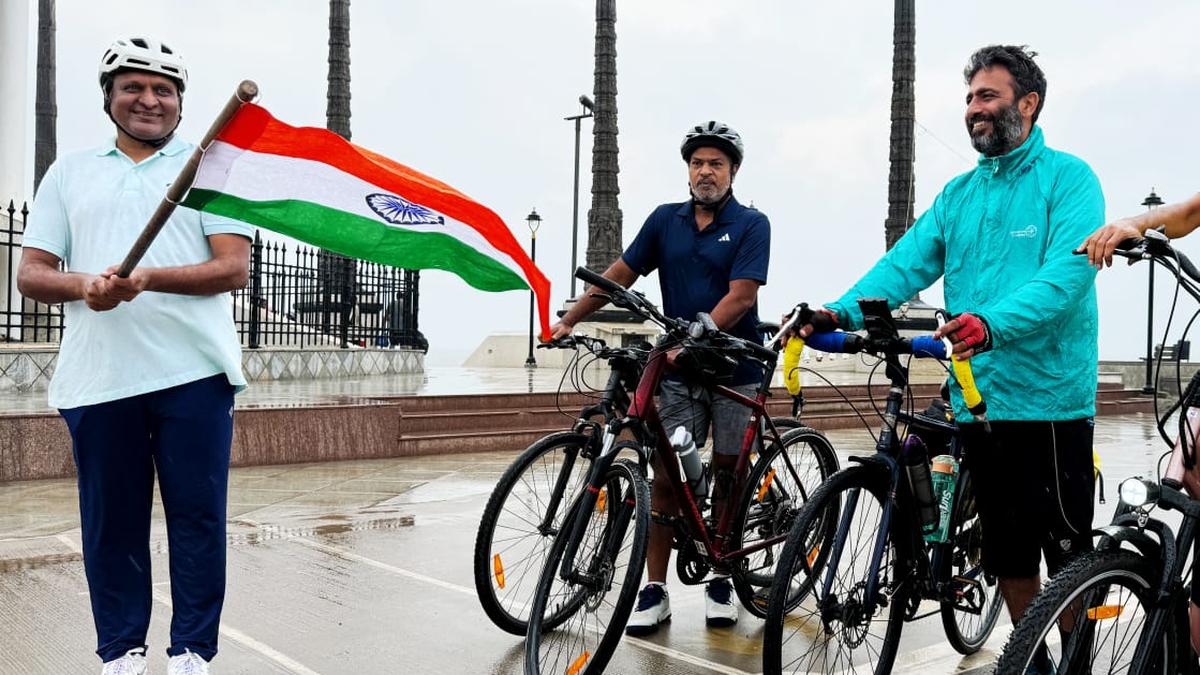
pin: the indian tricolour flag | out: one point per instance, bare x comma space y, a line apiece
313, 185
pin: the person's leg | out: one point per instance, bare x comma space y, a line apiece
194, 430
729, 420
1070, 479
1008, 508
115, 474
679, 405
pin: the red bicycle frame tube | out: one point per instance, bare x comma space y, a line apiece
644, 410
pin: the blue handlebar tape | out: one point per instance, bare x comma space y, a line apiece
927, 346
831, 343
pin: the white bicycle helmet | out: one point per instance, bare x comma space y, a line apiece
142, 53
713, 134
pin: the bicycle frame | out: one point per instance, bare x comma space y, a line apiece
644, 422
887, 451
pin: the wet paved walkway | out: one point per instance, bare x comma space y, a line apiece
363, 567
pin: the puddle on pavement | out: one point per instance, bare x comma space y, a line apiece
269, 532
37, 561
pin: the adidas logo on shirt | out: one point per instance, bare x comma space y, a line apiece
724, 237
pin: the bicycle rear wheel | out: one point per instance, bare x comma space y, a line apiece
604, 574
782, 480
1090, 618
519, 523
838, 627
970, 615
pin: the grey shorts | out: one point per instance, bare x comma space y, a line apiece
695, 408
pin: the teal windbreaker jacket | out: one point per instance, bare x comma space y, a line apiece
1002, 235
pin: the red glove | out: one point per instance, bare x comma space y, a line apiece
968, 333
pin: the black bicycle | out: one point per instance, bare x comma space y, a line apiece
880, 565
1122, 608
527, 506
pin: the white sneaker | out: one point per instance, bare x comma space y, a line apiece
719, 610
133, 663
187, 663
653, 610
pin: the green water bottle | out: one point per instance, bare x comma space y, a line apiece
945, 475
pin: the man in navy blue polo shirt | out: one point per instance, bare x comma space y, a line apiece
711, 254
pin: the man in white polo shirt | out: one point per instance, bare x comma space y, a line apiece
148, 365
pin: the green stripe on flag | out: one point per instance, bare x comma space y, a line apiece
358, 237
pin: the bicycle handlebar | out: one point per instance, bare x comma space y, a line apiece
840, 342
1153, 245
702, 328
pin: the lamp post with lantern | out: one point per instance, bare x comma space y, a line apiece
534, 221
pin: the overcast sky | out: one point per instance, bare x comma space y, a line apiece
474, 92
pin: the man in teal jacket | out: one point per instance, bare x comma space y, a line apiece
1002, 235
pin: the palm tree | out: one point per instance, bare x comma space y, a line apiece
45, 139
900, 177
604, 217
337, 272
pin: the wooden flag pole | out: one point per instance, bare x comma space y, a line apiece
246, 92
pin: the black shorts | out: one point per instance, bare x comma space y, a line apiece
1034, 485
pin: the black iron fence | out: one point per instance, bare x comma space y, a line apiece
297, 297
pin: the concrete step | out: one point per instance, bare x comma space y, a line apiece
1127, 406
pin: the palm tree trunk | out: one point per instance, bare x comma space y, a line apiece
337, 110
339, 272
900, 177
45, 139
604, 217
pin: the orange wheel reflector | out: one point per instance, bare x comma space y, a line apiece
578, 664
498, 570
762, 491
812, 555
601, 500
1104, 612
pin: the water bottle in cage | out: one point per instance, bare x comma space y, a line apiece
689, 457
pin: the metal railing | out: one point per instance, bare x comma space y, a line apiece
298, 297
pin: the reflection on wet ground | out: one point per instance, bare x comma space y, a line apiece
365, 567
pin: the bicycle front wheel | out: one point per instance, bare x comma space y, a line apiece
1091, 618
782, 480
522, 516
970, 611
591, 577
852, 619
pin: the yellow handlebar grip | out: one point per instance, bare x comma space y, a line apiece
966, 381
791, 365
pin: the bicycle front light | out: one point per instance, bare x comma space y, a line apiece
1137, 492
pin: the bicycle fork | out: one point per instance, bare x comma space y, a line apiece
871, 585
596, 497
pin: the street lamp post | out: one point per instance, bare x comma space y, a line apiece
534, 221
587, 106
1151, 202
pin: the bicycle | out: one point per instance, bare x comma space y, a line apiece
593, 570
526, 508
879, 567
1123, 607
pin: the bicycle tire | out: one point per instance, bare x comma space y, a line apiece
1072, 590
506, 575
820, 618
964, 561
630, 516
769, 505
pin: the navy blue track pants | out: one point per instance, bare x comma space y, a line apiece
182, 434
